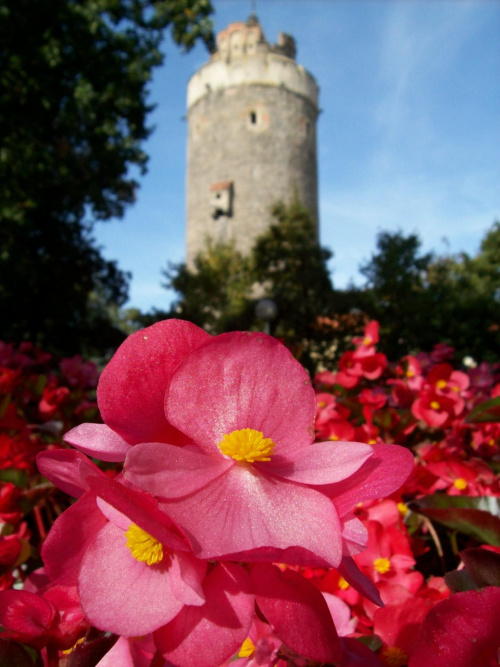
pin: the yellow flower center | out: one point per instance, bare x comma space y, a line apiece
247, 445
403, 509
410, 373
460, 484
367, 341
441, 384
247, 648
392, 656
491, 442
343, 584
382, 565
143, 546
435, 405
333, 437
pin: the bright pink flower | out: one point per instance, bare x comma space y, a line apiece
461, 631
434, 409
132, 565
371, 336
236, 498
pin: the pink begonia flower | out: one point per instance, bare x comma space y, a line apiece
461, 631
252, 485
132, 565
131, 391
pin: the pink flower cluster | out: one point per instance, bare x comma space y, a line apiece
220, 481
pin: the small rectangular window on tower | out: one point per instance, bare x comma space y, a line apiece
253, 117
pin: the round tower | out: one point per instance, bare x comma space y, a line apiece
251, 137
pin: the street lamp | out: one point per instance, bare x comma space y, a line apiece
266, 311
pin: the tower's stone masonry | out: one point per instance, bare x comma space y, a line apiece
251, 138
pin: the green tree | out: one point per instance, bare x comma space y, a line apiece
216, 293
291, 267
73, 108
395, 292
465, 295
286, 265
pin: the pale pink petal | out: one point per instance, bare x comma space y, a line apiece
244, 510
354, 535
208, 635
353, 575
341, 615
186, 577
69, 537
68, 470
168, 471
242, 380
141, 509
383, 473
98, 441
119, 655
321, 463
121, 594
131, 390
297, 612
128, 653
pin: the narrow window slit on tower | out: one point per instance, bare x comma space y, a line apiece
253, 117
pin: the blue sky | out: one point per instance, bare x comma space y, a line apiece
408, 136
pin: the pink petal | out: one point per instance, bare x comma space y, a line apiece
131, 390
244, 510
98, 441
121, 594
383, 473
297, 611
119, 655
461, 631
353, 575
68, 470
209, 635
69, 537
141, 509
171, 472
321, 463
186, 577
242, 380
354, 535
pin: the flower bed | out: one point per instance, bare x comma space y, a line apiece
228, 511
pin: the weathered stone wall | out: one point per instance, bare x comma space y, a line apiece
251, 142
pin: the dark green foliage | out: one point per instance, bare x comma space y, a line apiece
289, 263
286, 265
216, 295
73, 110
420, 299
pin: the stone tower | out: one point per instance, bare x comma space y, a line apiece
251, 137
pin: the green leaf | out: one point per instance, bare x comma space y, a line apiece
488, 411
477, 517
14, 475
